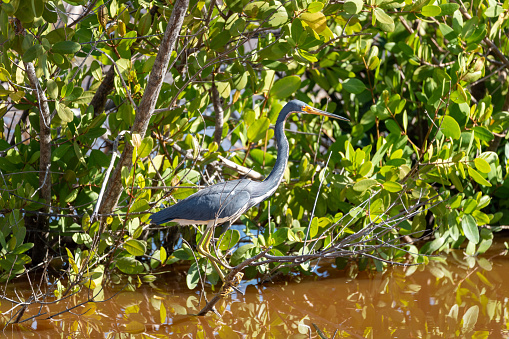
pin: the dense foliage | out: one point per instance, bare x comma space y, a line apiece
423, 83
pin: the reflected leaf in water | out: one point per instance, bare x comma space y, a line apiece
470, 319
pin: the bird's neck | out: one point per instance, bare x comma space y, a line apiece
278, 171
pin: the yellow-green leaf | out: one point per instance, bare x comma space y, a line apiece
470, 228
317, 21
315, 7
258, 129
146, 147
392, 186
363, 185
382, 17
431, 10
482, 165
478, 177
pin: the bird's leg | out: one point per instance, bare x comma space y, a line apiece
203, 249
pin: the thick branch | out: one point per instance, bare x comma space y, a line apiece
99, 100
218, 108
44, 135
148, 101
40, 246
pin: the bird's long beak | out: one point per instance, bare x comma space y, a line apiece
316, 111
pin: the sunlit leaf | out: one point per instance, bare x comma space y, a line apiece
258, 129
450, 127
135, 247
431, 10
382, 17
478, 177
392, 186
364, 184
469, 226
129, 265
229, 239
317, 21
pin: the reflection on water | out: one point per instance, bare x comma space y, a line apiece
456, 297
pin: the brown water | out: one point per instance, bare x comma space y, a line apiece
456, 297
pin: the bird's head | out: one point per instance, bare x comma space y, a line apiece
298, 106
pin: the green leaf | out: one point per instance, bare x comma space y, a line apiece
431, 10
353, 85
285, 87
258, 129
23, 248
365, 168
229, 239
262, 157
82, 238
315, 7
193, 276
353, 6
469, 226
139, 205
469, 206
52, 89
32, 53
392, 186
478, 177
456, 180
4, 74
146, 147
282, 235
73, 95
241, 254
450, 127
449, 8
64, 113
220, 40
278, 16
482, 165
135, 247
129, 265
483, 133
364, 184
382, 17
66, 47
182, 193
79, 154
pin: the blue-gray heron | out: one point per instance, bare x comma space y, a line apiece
227, 201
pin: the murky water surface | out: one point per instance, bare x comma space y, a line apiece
457, 297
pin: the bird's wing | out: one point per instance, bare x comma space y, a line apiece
220, 202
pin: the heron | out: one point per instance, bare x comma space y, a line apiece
225, 202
